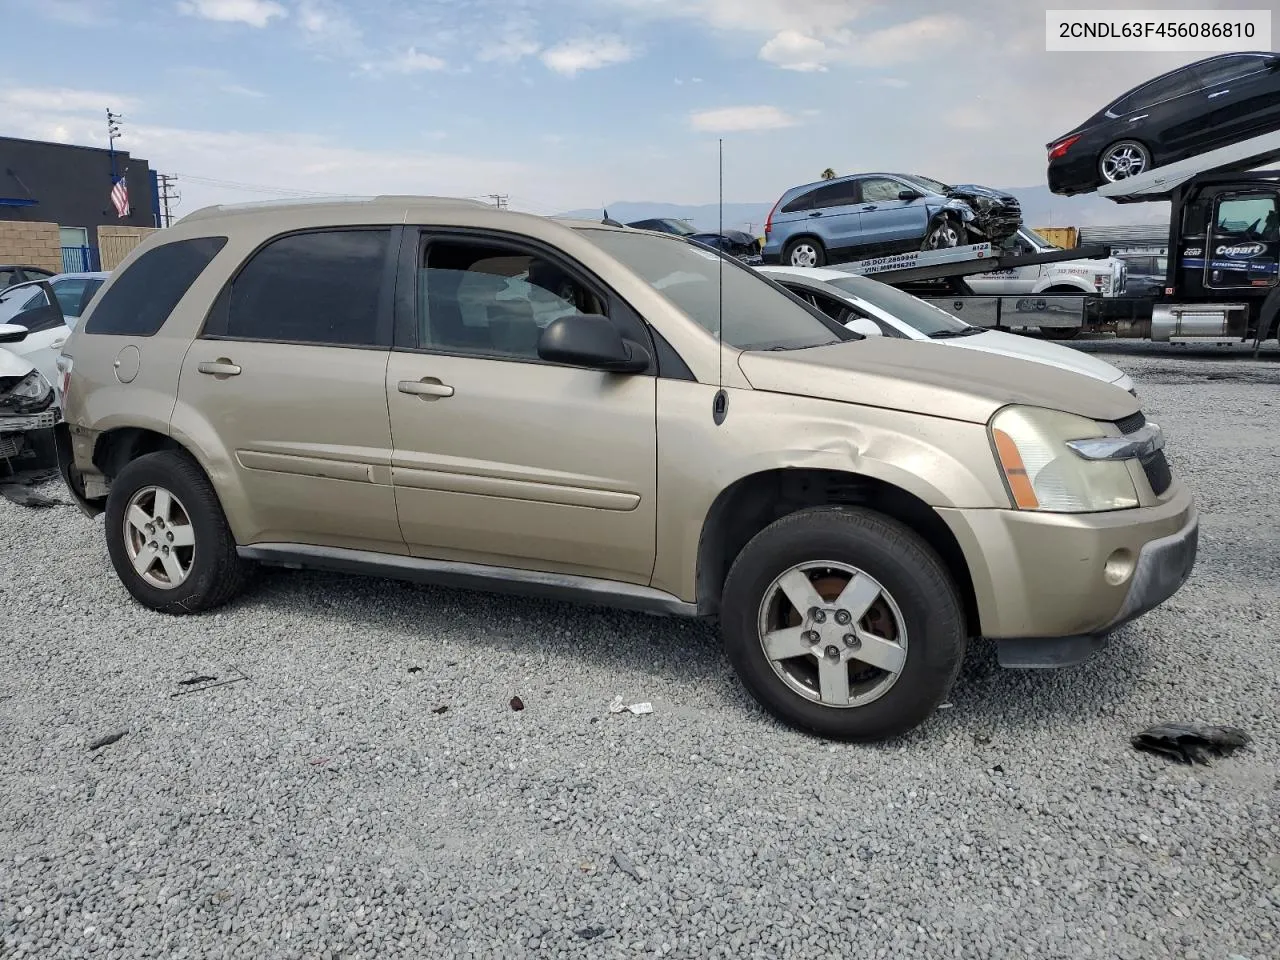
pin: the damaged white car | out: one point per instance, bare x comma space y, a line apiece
29, 405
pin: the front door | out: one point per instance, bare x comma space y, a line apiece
1244, 242
289, 379
1241, 98
502, 458
888, 222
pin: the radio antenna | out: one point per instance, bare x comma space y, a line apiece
720, 404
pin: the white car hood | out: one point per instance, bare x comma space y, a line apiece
12, 365
1012, 345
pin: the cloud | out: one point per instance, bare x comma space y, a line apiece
327, 28
741, 119
64, 100
795, 51
409, 62
76, 13
753, 16
236, 90
508, 50
256, 13
590, 53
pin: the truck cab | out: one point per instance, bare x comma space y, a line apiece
1097, 277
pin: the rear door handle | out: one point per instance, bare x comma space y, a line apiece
816, 213
872, 207
1218, 94
222, 367
429, 388
58, 343
1142, 116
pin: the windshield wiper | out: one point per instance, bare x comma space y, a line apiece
950, 334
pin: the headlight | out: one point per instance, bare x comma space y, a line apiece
31, 394
1043, 473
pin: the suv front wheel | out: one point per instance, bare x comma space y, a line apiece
168, 537
844, 622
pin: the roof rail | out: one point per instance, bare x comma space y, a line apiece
222, 209
1159, 182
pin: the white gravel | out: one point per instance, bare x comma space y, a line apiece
322, 808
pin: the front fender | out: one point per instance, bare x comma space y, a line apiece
943, 463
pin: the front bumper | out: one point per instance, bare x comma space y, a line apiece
32, 421
1052, 587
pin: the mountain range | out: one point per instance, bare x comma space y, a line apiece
1040, 208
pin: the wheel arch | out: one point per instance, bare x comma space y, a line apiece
801, 237
752, 502
1063, 285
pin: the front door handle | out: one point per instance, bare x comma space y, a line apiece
222, 367
1218, 94
872, 207
816, 213
428, 388
1139, 117
58, 343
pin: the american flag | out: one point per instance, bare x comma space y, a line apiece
120, 197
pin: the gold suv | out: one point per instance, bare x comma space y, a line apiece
447, 392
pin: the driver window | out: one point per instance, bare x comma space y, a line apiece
493, 299
879, 189
1251, 218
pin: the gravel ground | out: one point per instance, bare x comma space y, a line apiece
328, 805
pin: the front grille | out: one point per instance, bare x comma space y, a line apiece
1135, 421
1158, 474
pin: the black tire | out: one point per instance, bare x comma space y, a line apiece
813, 243
1135, 148
216, 573
949, 229
1063, 333
909, 570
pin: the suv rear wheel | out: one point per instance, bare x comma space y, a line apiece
843, 622
805, 252
168, 537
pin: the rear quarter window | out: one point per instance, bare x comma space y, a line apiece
140, 300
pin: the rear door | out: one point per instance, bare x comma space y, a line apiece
834, 216
1244, 242
502, 458
887, 220
1166, 115
288, 379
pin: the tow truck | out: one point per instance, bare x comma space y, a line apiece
1222, 283
1223, 277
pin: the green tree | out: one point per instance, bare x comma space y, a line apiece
828, 174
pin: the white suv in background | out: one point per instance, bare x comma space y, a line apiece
1104, 278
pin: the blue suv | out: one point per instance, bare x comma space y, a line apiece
872, 214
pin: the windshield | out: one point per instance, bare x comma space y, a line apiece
681, 227
1035, 241
914, 312
758, 315
934, 185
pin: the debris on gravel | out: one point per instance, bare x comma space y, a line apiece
325, 809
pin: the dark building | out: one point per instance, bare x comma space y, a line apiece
71, 186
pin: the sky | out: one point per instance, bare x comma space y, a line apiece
558, 104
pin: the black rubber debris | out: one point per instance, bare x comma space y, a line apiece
517, 703
1191, 743
415, 669
440, 709
590, 933
28, 498
194, 680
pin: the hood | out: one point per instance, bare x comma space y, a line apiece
931, 379
12, 365
974, 190
733, 236
1041, 351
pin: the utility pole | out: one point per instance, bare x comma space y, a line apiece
499, 200
167, 180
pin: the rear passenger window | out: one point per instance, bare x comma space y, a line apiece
141, 299
321, 288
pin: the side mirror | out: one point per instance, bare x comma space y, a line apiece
909, 195
590, 340
12, 332
868, 328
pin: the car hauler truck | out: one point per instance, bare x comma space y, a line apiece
1223, 275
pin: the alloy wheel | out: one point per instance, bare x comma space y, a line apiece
159, 538
833, 634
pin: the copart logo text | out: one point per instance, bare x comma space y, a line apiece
1242, 250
